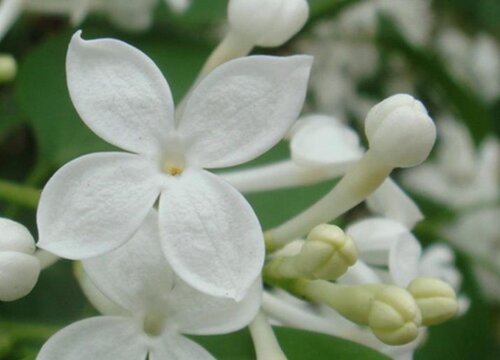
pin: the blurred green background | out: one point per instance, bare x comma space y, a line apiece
40, 131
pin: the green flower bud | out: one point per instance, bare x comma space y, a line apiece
435, 298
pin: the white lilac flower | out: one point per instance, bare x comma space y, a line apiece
388, 247
209, 233
156, 308
460, 177
19, 268
475, 60
477, 234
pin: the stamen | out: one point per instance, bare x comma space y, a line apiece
172, 169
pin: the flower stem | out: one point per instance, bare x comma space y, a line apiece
361, 180
19, 194
265, 342
279, 175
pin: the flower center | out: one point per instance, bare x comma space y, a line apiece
172, 168
153, 325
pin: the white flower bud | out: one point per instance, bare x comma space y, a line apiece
400, 131
435, 298
19, 268
15, 237
327, 253
267, 23
394, 316
8, 68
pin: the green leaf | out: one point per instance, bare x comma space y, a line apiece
297, 345
43, 96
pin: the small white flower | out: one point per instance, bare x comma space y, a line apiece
158, 309
388, 245
475, 60
19, 269
477, 234
210, 235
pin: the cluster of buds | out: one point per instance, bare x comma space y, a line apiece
394, 314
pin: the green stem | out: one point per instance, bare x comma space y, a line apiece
19, 194
36, 177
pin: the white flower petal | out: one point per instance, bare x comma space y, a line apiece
120, 94
456, 151
243, 108
172, 346
324, 141
98, 338
136, 275
392, 202
404, 259
431, 181
488, 169
384, 242
95, 296
95, 203
196, 313
359, 273
210, 235
374, 238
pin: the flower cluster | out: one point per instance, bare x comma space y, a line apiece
167, 244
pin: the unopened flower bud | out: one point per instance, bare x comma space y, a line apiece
327, 253
394, 316
435, 298
8, 68
400, 131
267, 23
19, 269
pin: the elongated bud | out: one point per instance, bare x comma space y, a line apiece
400, 131
400, 134
267, 23
390, 312
8, 68
435, 298
19, 269
394, 316
327, 253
